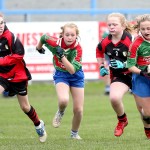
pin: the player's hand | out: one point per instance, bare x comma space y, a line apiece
59, 52
145, 73
116, 64
41, 51
103, 71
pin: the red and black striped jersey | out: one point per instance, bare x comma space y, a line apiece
12, 64
116, 51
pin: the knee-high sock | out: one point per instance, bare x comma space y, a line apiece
33, 116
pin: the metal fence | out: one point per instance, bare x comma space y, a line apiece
92, 11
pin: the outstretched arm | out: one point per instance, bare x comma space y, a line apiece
39, 48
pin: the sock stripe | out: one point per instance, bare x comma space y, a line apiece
33, 116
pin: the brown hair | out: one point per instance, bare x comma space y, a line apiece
71, 25
128, 26
139, 19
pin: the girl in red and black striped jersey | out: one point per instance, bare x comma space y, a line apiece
14, 75
116, 46
139, 64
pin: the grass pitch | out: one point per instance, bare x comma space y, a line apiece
99, 120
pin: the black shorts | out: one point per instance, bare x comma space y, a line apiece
126, 79
14, 88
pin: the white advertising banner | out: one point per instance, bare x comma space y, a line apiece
40, 65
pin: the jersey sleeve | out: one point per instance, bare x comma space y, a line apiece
78, 58
132, 55
99, 51
16, 55
49, 42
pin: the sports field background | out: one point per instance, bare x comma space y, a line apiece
17, 131
99, 120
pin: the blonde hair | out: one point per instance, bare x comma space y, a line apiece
71, 25
128, 26
139, 19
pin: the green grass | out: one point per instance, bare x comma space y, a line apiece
17, 131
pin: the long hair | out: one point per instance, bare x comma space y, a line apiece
128, 26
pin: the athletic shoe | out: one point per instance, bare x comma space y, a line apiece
76, 136
107, 90
147, 133
41, 131
106, 93
120, 127
57, 119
